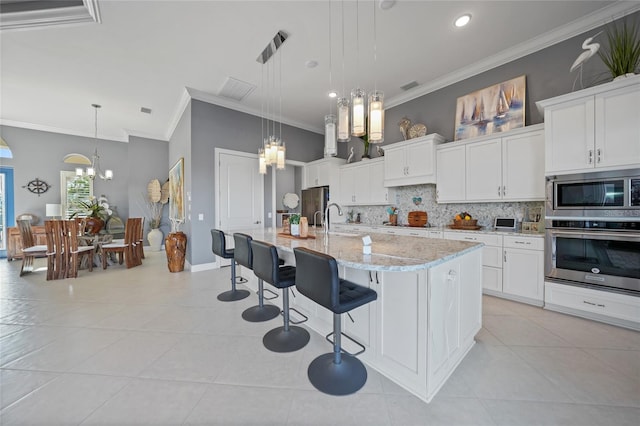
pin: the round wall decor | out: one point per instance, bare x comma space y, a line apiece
37, 186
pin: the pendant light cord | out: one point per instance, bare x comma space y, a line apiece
343, 85
330, 63
375, 50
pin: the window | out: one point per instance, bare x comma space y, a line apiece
74, 189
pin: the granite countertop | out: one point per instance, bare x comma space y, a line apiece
484, 230
389, 252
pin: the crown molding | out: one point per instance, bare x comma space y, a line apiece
237, 106
596, 19
51, 129
88, 12
183, 103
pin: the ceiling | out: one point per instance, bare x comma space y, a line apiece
157, 54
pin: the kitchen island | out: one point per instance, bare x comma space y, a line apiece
429, 305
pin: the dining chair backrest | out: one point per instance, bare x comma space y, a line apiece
26, 234
57, 252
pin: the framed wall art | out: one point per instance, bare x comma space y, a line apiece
176, 193
495, 109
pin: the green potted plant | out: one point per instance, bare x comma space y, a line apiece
95, 213
622, 55
294, 222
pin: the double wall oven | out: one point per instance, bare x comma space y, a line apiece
593, 230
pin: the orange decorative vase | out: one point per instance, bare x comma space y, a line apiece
176, 247
93, 225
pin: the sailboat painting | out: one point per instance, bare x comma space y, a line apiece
495, 109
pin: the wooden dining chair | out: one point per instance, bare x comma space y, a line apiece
127, 250
140, 242
29, 248
76, 251
57, 256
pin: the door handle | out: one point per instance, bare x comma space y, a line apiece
257, 222
598, 152
590, 156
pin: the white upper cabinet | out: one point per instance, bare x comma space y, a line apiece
320, 172
411, 162
362, 183
508, 167
594, 128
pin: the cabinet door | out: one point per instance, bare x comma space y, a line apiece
394, 166
323, 174
401, 322
311, 175
379, 193
523, 273
450, 174
419, 160
618, 128
523, 167
362, 193
347, 186
358, 323
484, 170
569, 136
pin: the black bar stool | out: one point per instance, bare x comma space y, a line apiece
287, 338
219, 247
243, 255
317, 278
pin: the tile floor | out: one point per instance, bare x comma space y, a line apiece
144, 346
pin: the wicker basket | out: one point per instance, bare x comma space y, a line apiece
465, 223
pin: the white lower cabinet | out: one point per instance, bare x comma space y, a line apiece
524, 268
512, 265
358, 323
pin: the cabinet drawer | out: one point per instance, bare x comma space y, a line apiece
600, 302
488, 239
434, 234
532, 243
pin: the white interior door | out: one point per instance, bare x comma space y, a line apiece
241, 196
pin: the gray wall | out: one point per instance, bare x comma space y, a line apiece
547, 74
180, 147
213, 127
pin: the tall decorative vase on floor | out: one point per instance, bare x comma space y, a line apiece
176, 247
155, 237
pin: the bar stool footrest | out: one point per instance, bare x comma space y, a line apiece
306, 318
265, 290
241, 280
329, 338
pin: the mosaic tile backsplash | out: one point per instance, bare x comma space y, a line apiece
406, 198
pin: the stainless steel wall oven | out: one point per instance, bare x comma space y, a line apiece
593, 230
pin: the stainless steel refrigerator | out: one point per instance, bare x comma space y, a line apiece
314, 200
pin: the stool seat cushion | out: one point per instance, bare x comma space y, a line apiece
352, 296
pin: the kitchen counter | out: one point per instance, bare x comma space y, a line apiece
388, 252
429, 305
484, 230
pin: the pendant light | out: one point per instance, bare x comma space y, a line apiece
358, 96
343, 127
95, 169
376, 98
330, 148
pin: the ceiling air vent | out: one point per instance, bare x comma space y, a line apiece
409, 85
145, 110
236, 89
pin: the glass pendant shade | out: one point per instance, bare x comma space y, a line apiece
330, 147
267, 151
262, 162
344, 135
376, 117
357, 112
280, 156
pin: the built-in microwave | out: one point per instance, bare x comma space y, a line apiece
598, 195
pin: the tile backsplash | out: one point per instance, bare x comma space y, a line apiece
440, 214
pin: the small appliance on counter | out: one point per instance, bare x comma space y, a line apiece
506, 224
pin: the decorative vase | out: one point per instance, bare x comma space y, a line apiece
155, 237
93, 225
304, 227
295, 229
176, 246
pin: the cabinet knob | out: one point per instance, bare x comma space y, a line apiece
590, 156
598, 155
451, 275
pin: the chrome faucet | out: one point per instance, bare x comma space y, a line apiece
326, 216
315, 222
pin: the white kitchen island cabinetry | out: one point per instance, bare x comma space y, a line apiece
593, 129
428, 309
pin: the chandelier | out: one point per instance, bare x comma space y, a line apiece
95, 169
273, 150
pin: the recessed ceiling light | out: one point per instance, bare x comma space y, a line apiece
462, 20
332, 94
311, 63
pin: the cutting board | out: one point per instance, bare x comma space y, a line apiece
417, 218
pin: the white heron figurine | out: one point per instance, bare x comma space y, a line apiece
350, 157
590, 50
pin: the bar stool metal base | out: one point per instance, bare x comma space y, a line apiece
233, 295
337, 379
281, 340
260, 313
